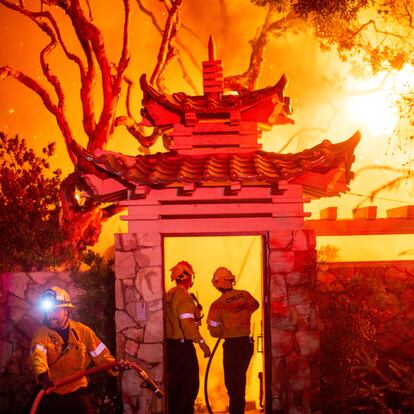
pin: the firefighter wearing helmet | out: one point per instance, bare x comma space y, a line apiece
229, 318
182, 332
60, 348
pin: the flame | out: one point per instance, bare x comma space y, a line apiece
372, 102
80, 197
243, 255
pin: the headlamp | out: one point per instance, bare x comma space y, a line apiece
48, 301
47, 305
54, 297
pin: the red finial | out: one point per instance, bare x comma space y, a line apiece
212, 72
211, 49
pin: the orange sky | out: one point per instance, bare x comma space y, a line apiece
327, 101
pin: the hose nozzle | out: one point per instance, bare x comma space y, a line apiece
148, 382
154, 388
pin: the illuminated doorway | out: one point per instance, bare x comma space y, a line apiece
243, 255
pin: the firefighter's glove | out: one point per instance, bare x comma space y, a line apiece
123, 365
205, 348
46, 382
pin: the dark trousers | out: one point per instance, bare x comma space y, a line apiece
77, 402
237, 353
183, 381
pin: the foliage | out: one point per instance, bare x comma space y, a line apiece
97, 306
277, 4
97, 310
370, 34
348, 329
355, 376
405, 129
29, 207
345, 9
328, 253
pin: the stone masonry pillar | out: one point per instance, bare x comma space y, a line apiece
293, 320
139, 317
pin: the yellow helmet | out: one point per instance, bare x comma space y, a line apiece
55, 297
182, 271
223, 278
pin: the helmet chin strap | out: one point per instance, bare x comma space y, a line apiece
65, 322
67, 318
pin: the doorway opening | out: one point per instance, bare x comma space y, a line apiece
243, 255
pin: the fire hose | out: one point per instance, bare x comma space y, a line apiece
144, 376
206, 377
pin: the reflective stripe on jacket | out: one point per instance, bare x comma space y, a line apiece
180, 310
48, 353
229, 315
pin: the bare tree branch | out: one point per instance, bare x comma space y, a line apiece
186, 76
52, 30
125, 57
387, 186
273, 25
167, 50
35, 17
7, 71
137, 131
381, 168
224, 18
300, 132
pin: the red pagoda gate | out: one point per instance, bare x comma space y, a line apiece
216, 180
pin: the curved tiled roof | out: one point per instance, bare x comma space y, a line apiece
257, 167
258, 105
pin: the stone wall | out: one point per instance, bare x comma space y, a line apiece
18, 321
294, 327
293, 319
392, 299
139, 316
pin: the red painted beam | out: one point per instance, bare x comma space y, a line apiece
213, 225
361, 226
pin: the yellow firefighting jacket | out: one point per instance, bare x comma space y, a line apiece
48, 353
180, 315
229, 315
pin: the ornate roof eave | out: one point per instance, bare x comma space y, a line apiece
324, 170
161, 110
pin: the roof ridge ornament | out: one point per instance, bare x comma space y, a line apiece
211, 48
215, 122
213, 83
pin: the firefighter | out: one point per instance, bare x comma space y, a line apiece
182, 332
61, 348
229, 318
